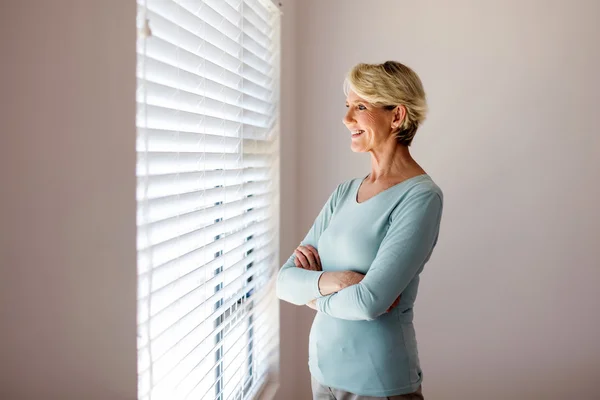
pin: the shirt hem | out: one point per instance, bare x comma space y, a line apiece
398, 391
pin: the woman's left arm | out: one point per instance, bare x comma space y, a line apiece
404, 251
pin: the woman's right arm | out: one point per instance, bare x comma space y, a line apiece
326, 283
296, 285
299, 286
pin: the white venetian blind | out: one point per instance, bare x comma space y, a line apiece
208, 172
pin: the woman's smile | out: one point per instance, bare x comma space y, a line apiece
357, 133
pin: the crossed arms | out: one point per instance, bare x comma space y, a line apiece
405, 249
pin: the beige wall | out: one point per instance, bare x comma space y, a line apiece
291, 353
508, 306
67, 167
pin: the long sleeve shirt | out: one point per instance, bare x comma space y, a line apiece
355, 345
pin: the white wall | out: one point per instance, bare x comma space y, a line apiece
508, 306
67, 167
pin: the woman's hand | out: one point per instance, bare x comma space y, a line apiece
394, 304
307, 257
312, 304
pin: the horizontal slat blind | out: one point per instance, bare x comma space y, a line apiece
208, 171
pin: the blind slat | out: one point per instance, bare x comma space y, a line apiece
158, 64
234, 361
171, 184
165, 116
204, 241
199, 20
171, 272
203, 255
256, 20
192, 297
186, 98
208, 62
185, 358
164, 252
163, 230
170, 207
171, 137
160, 163
164, 337
193, 333
266, 337
260, 11
210, 45
177, 78
230, 14
255, 41
163, 141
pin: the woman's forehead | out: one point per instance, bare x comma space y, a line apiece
354, 98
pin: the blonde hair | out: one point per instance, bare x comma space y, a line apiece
389, 85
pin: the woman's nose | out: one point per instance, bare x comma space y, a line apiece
347, 118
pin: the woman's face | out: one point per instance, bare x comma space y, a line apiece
371, 127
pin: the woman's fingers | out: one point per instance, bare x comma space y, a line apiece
312, 261
317, 256
307, 257
302, 259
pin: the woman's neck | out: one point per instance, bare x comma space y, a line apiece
393, 163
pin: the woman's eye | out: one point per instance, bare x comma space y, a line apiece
361, 107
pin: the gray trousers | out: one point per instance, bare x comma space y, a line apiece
321, 392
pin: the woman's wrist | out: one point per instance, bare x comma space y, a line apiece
329, 283
333, 282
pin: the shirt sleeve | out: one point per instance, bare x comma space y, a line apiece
299, 286
405, 249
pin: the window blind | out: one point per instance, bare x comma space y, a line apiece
208, 172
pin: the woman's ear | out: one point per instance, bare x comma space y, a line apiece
399, 115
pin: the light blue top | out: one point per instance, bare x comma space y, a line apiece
354, 344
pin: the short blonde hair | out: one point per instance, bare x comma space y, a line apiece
389, 85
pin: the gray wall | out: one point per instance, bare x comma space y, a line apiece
67, 167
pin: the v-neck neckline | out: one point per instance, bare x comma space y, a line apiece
383, 191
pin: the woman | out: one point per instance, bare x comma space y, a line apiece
360, 262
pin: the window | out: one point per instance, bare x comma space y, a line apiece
208, 171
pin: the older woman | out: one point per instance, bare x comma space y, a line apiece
359, 264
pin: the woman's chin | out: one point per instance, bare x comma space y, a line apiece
357, 148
